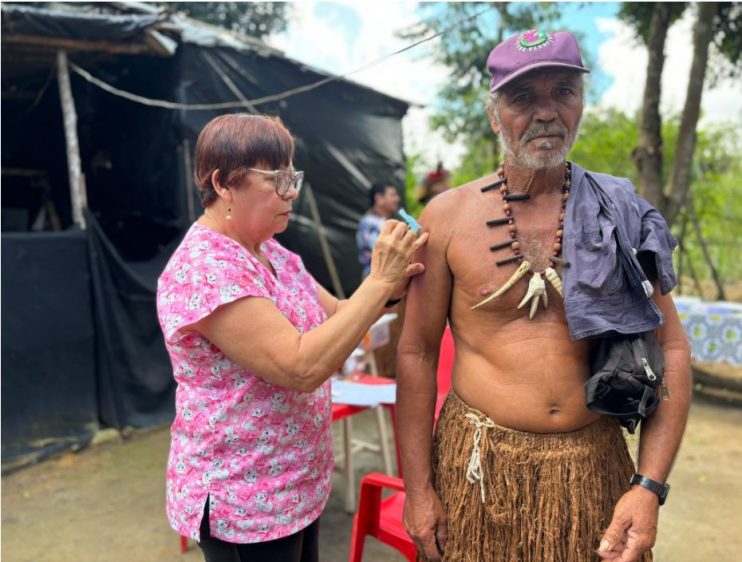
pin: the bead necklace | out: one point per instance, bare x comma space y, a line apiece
536, 286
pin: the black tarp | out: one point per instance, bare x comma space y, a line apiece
135, 382
138, 187
48, 353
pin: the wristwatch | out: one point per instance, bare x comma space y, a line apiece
653, 486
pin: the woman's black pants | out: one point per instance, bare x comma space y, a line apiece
299, 547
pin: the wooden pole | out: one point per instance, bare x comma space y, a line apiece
228, 82
77, 186
314, 210
188, 172
77, 45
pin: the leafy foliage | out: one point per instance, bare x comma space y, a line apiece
255, 19
716, 200
726, 60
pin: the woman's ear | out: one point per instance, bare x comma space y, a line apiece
221, 190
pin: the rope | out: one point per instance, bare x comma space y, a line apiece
474, 469
265, 99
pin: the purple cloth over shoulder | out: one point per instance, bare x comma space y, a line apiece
604, 286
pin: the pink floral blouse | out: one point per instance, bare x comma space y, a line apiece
261, 452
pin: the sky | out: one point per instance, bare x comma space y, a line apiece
340, 37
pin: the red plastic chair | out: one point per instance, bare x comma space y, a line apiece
382, 518
446, 358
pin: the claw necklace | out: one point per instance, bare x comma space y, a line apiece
536, 286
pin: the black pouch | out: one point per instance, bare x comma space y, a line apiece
627, 372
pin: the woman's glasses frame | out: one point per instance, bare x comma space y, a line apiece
285, 179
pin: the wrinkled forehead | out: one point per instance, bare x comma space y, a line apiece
548, 77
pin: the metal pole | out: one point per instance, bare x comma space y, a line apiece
77, 187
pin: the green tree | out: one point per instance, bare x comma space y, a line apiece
717, 30
255, 19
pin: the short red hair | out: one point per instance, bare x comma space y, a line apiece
234, 142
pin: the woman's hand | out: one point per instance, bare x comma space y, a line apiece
392, 253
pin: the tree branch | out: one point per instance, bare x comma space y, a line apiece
647, 155
679, 182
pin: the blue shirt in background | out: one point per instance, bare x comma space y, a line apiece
368, 231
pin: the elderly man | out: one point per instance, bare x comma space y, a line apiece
519, 468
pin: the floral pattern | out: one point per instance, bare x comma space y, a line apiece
262, 453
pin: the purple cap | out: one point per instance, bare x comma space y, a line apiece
530, 50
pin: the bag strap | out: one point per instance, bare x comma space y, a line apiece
642, 408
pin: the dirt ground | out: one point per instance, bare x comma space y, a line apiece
106, 503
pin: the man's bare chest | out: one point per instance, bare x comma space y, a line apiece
482, 253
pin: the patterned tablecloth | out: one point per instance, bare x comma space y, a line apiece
714, 329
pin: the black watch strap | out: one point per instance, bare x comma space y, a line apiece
652, 485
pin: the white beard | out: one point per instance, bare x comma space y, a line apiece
539, 160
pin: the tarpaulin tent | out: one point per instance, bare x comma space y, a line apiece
87, 228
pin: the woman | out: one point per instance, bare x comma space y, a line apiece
253, 340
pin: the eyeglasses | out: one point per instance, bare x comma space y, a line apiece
285, 179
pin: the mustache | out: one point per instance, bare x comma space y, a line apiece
554, 129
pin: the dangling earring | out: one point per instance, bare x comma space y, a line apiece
229, 217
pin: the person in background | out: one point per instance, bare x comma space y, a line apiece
253, 341
436, 182
384, 201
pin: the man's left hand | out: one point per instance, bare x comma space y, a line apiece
633, 528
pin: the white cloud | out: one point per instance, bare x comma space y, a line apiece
624, 59
411, 76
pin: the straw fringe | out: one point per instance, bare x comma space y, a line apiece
549, 497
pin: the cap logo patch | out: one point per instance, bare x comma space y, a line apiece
532, 40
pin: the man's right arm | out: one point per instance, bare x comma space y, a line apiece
426, 312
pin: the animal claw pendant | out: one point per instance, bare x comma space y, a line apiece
520, 272
536, 291
554, 279
536, 288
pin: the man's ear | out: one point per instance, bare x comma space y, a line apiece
491, 117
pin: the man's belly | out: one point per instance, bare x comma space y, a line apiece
532, 385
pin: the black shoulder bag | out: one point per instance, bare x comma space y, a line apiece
627, 370
627, 373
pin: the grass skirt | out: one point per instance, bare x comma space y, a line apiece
548, 497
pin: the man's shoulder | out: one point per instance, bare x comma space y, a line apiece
621, 190
612, 184
454, 200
